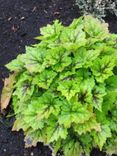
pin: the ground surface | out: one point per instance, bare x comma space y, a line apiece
20, 21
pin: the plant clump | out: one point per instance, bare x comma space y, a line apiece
64, 89
99, 8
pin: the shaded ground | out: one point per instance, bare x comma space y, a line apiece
20, 21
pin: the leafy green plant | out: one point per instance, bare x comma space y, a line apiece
64, 89
98, 8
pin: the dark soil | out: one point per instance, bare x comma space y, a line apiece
20, 21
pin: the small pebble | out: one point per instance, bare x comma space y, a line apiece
4, 150
22, 18
32, 154
10, 18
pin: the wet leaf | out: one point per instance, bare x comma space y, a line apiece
7, 91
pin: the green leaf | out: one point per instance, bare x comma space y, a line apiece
34, 59
95, 28
77, 23
98, 93
56, 131
83, 73
68, 88
109, 101
101, 137
73, 113
84, 57
85, 95
73, 38
24, 85
48, 105
60, 132
56, 146
58, 58
19, 124
111, 83
102, 68
111, 146
17, 64
34, 122
67, 75
32, 137
86, 141
73, 148
44, 79
50, 30
88, 126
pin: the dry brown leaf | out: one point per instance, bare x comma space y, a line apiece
7, 91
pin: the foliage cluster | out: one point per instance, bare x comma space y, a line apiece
64, 89
98, 8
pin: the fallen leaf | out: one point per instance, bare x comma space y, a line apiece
7, 91
34, 8
56, 13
